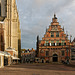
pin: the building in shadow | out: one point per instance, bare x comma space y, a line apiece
28, 56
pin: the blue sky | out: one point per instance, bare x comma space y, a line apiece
36, 15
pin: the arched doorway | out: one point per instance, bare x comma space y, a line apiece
42, 60
55, 58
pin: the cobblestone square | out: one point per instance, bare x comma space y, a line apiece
38, 69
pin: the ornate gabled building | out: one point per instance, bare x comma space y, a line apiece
52, 47
12, 33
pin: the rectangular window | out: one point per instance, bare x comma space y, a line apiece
52, 34
47, 43
44, 44
47, 53
57, 43
62, 43
57, 34
63, 53
52, 43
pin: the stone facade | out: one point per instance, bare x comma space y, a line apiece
5, 59
2, 44
1, 60
52, 47
10, 34
12, 31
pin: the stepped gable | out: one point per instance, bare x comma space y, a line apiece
54, 33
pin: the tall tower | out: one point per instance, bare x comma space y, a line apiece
12, 25
37, 46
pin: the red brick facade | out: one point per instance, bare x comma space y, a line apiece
52, 47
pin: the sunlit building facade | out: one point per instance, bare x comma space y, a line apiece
12, 33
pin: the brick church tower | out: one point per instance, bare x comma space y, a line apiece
52, 47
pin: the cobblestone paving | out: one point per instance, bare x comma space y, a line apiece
38, 69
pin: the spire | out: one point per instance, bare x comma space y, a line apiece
37, 46
54, 20
70, 37
37, 37
55, 16
67, 34
63, 28
46, 29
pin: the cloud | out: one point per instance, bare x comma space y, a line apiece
36, 15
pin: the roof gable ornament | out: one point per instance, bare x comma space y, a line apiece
55, 16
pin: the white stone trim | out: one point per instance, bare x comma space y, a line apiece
50, 44
1, 54
1, 22
1, 61
55, 44
11, 50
